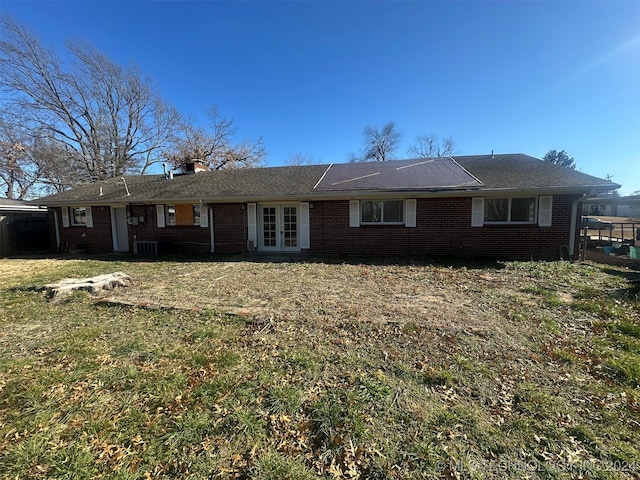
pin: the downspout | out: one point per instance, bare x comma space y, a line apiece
574, 220
212, 234
56, 224
114, 228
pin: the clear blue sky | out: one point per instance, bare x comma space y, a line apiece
308, 76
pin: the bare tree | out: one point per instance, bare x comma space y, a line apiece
31, 164
379, 144
103, 119
160, 134
431, 146
17, 169
216, 146
297, 159
17, 173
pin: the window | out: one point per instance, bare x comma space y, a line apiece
523, 209
184, 214
510, 210
382, 212
496, 210
171, 214
196, 214
78, 216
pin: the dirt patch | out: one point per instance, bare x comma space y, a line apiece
369, 293
600, 257
488, 302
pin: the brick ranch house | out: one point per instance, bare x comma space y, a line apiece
495, 206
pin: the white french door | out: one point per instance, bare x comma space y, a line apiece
279, 227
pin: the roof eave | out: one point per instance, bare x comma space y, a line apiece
23, 208
576, 189
340, 195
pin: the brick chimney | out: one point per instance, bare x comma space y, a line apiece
195, 166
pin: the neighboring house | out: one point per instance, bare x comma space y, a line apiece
627, 207
496, 206
24, 228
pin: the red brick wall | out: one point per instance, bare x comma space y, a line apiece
172, 238
52, 229
230, 227
96, 239
443, 227
230, 231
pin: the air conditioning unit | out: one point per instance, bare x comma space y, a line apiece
145, 247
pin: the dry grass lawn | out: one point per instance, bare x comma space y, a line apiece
265, 367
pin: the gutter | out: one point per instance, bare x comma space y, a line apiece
453, 191
23, 208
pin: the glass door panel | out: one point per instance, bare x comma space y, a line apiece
290, 226
269, 227
279, 228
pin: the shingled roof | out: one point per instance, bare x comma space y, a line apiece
522, 172
464, 175
219, 185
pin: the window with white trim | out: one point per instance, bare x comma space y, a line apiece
78, 216
183, 214
382, 212
171, 214
510, 210
196, 214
